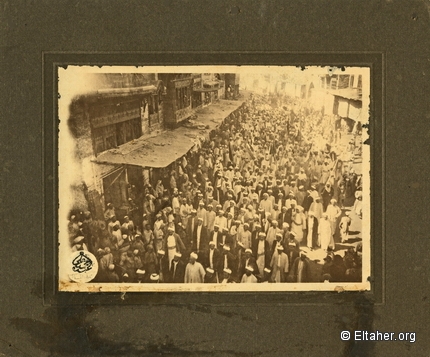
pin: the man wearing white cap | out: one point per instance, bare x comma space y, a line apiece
194, 272
177, 269
110, 212
271, 232
256, 230
212, 257
210, 218
344, 224
358, 204
78, 244
227, 259
277, 242
162, 266
245, 236
248, 260
312, 230
154, 278
248, 277
233, 209
261, 250
200, 237
173, 244
201, 212
266, 277
279, 265
230, 221
333, 212
276, 212
215, 236
227, 276
266, 204
324, 232
292, 247
298, 224
211, 276
191, 225
300, 269
220, 220
317, 207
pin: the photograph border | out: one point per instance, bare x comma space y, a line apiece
50, 63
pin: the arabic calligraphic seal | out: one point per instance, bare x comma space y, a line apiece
83, 266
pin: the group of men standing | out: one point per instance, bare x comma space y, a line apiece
241, 210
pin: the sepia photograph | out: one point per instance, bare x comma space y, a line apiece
214, 178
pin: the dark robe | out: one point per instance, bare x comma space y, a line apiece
306, 274
179, 273
204, 242
215, 259
267, 257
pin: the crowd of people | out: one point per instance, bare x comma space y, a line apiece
271, 181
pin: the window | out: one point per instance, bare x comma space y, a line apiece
183, 98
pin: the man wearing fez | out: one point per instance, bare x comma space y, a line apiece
194, 271
177, 269
261, 251
199, 241
279, 265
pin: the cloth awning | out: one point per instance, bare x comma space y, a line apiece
157, 151
127, 91
200, 89
348, 93
161, 150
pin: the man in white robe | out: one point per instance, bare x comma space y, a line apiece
333, 212
248, 277
279, 265
344, 224
194, 272
324, 232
